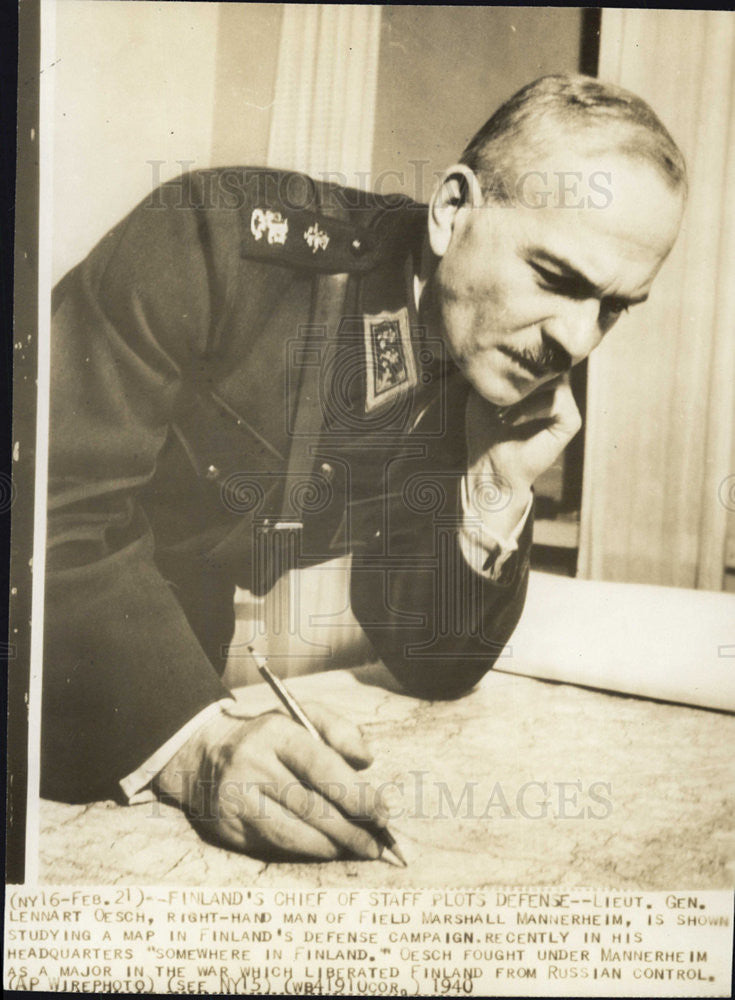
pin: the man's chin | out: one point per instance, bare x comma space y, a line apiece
501, 391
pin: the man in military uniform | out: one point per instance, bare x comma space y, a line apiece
255, 371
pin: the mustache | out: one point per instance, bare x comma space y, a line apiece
549, 358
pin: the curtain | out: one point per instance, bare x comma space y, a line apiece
326, 82
659, 448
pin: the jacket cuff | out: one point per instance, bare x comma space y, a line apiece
136, 786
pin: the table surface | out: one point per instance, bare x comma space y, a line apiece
638, 794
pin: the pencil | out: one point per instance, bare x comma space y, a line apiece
299, 715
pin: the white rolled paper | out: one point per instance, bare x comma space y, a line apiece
666, 643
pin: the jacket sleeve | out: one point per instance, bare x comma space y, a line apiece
122, 668
436, 623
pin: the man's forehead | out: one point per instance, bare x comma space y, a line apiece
568, 176
605, 193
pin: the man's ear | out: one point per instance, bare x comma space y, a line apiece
458, 188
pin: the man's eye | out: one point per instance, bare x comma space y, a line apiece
559, 284
550, 278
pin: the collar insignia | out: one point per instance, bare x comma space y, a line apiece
390, 364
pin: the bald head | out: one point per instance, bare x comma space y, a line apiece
576, 113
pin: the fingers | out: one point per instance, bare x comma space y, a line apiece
537, 404
553, 403
325, 771
567, 417
316, 810
340, 734
271, 787
263, 825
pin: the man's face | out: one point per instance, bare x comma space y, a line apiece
522, 293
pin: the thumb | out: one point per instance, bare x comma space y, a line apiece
341, 735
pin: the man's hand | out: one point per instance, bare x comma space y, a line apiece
505, 457
265, 786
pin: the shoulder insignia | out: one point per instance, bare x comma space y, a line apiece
316, 238
306, 238
272, 225
390, 364
291, 220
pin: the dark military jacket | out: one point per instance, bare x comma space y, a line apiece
179, 347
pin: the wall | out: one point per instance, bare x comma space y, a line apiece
444, 70
247, 55
121, 101
142, 81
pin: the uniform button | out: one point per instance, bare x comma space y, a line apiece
327, 471
356, 246
212, 472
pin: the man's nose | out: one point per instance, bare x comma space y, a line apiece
576, 327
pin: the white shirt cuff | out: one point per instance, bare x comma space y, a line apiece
478, 542
136, 786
